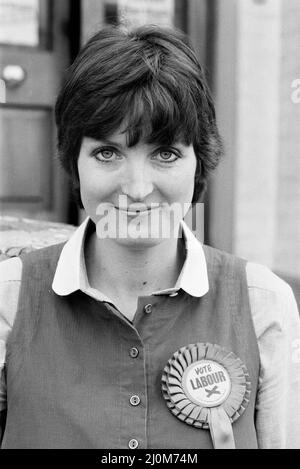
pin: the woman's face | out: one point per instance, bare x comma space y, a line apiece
131, 194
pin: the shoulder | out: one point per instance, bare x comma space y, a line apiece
43, 254
10, 270
219, 261
272, 300
41, 262
10, 280
268, 287
215, 253
258, 276
261, 277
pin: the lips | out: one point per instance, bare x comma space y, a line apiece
137, 209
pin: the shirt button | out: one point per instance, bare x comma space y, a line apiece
134, 352
148, 309
133, 443
135, 400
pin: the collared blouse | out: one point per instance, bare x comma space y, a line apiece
274, 312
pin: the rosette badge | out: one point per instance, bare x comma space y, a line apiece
207, 386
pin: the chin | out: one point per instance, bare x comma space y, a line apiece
139, 241
139, 244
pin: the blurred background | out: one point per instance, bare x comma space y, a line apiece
251, 52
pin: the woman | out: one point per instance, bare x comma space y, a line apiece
126, 337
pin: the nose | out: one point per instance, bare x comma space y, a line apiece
137, 183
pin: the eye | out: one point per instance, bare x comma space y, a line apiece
167, 155
105, 155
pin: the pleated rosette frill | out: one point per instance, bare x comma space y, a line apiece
207, 386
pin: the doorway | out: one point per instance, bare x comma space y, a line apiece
34, 54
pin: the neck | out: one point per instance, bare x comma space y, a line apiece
122, 271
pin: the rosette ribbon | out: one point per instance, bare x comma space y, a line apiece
207, 386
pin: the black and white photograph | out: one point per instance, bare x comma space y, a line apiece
149, 227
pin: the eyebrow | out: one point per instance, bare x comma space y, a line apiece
111, 142
107, 141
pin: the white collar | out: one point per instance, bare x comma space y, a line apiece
71, 274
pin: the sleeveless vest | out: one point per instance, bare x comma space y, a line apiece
69, 373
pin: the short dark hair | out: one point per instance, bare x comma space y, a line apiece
149, 77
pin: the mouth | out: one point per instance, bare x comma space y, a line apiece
137, 209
